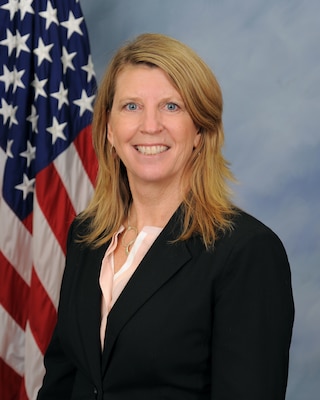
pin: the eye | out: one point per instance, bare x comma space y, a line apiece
172, 106
131, 106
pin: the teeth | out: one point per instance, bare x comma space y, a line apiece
150, 150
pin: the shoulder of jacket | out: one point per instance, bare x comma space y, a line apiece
249, 229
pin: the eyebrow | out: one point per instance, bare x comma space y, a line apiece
172, 98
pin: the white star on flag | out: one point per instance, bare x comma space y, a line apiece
56, 130
6, 77
27, 186
9, 149
13, 119
61, 96
21, 44
39, 87
85, 102
16, 79
89, 69
12, 6
29, 154
5, 111
66, 59
33, 118
42, 51
8, 112
50, 15
25, 7
73, 24
10, 42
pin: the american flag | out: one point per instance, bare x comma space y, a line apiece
47, 171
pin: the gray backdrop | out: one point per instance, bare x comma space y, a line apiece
266, 56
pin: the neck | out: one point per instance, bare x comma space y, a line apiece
153, 204
155, 213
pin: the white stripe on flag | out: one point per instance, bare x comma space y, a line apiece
12, 340
49, 258
15, 239
34, 368
74, 178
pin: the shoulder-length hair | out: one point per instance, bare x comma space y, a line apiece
207, 208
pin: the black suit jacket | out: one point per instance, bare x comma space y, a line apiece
190, 324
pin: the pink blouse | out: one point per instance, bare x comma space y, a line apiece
112, 283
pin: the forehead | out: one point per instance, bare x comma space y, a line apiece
142, 77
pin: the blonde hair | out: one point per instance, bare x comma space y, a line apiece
207, 208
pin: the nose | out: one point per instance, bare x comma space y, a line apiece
151, 121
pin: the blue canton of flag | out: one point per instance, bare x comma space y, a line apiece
43, 101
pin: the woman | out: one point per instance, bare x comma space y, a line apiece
169, 291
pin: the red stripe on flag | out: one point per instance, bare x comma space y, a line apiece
14, 292
55, 204
11, 382
27, 222
42, 315
83, 144
23, 394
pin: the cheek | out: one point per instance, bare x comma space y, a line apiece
112, 130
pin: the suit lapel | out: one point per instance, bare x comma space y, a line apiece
161, 262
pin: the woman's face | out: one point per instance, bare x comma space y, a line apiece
150, 128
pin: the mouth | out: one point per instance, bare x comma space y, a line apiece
151, 150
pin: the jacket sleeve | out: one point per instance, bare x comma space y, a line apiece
253, 318
60, 372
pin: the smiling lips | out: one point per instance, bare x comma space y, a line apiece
151, 150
